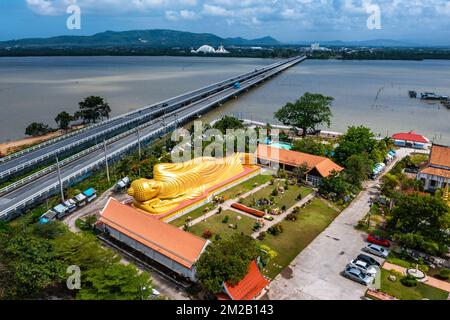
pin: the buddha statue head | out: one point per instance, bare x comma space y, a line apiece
144, 190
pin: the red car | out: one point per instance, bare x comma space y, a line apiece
372, 238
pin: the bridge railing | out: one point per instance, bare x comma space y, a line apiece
159, 132
66, 136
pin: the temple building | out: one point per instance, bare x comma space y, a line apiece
318, 167
251, 287
164, 244
437, 173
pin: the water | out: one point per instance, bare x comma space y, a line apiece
370, 93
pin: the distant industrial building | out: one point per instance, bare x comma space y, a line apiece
437, 173
163, 243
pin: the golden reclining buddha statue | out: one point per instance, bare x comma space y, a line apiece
174, 183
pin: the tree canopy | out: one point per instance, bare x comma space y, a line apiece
93, 108
228, 122
310, 146
115, 282
63, 119
36, 129
226, 260
308, 112
421, 222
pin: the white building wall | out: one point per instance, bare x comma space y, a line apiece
152, 254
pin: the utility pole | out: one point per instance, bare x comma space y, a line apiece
60, 180
139, 149
106, 161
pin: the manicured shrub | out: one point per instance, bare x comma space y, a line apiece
261, 236
275, 192
409, 281
275, 230
283, 208
291, 217
299, 197
207, 234
444, 274
226, 219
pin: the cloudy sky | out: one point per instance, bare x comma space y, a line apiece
419, 21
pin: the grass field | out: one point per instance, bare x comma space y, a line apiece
398, 290
193, 214
245, 186
312, 220
216, 226
288, 198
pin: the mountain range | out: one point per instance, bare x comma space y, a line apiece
142, 38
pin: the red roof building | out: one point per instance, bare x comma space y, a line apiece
249, 288
410, 137
437, 173
318, 167
167, 245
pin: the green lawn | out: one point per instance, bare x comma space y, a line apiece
297, 235
398, 290
288, 198
193, 214
245, 186
216, 226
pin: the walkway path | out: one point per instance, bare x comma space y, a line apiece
281, 217
433, 282
316, 271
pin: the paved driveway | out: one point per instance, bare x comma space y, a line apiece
315, 273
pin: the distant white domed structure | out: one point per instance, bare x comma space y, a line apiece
205, 49
208, 49
222, 50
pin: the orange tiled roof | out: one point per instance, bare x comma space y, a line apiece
180, 246
436, 172
440, 156
322, 164
250, 287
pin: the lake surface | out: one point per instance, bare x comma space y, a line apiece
370, 93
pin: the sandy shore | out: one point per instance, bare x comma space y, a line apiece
13, 146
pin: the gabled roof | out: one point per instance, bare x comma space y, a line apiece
180, 246
410, 136
293, 158
248, 288
440, 156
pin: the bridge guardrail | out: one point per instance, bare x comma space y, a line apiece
45, 191
66, 136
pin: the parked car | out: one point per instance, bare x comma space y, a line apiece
357, 275
376, 250
368, 259
372, 238
268, 217
364, 267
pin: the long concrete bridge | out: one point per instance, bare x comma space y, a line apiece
82, 152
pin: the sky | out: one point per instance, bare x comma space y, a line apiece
415, 21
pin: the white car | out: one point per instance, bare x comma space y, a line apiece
364, 267
376, 250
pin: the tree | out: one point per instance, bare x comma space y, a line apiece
356, 140
424, 218
359, 167
390, 184
63, 119
300, 172
309, 146
37, 129
31, 265
308, 112
228, 122
93, 108
226, 260
336, 186
115, 282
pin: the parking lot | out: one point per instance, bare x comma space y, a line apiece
316, 272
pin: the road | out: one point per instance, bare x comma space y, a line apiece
31, 159
315, 273
18, 198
